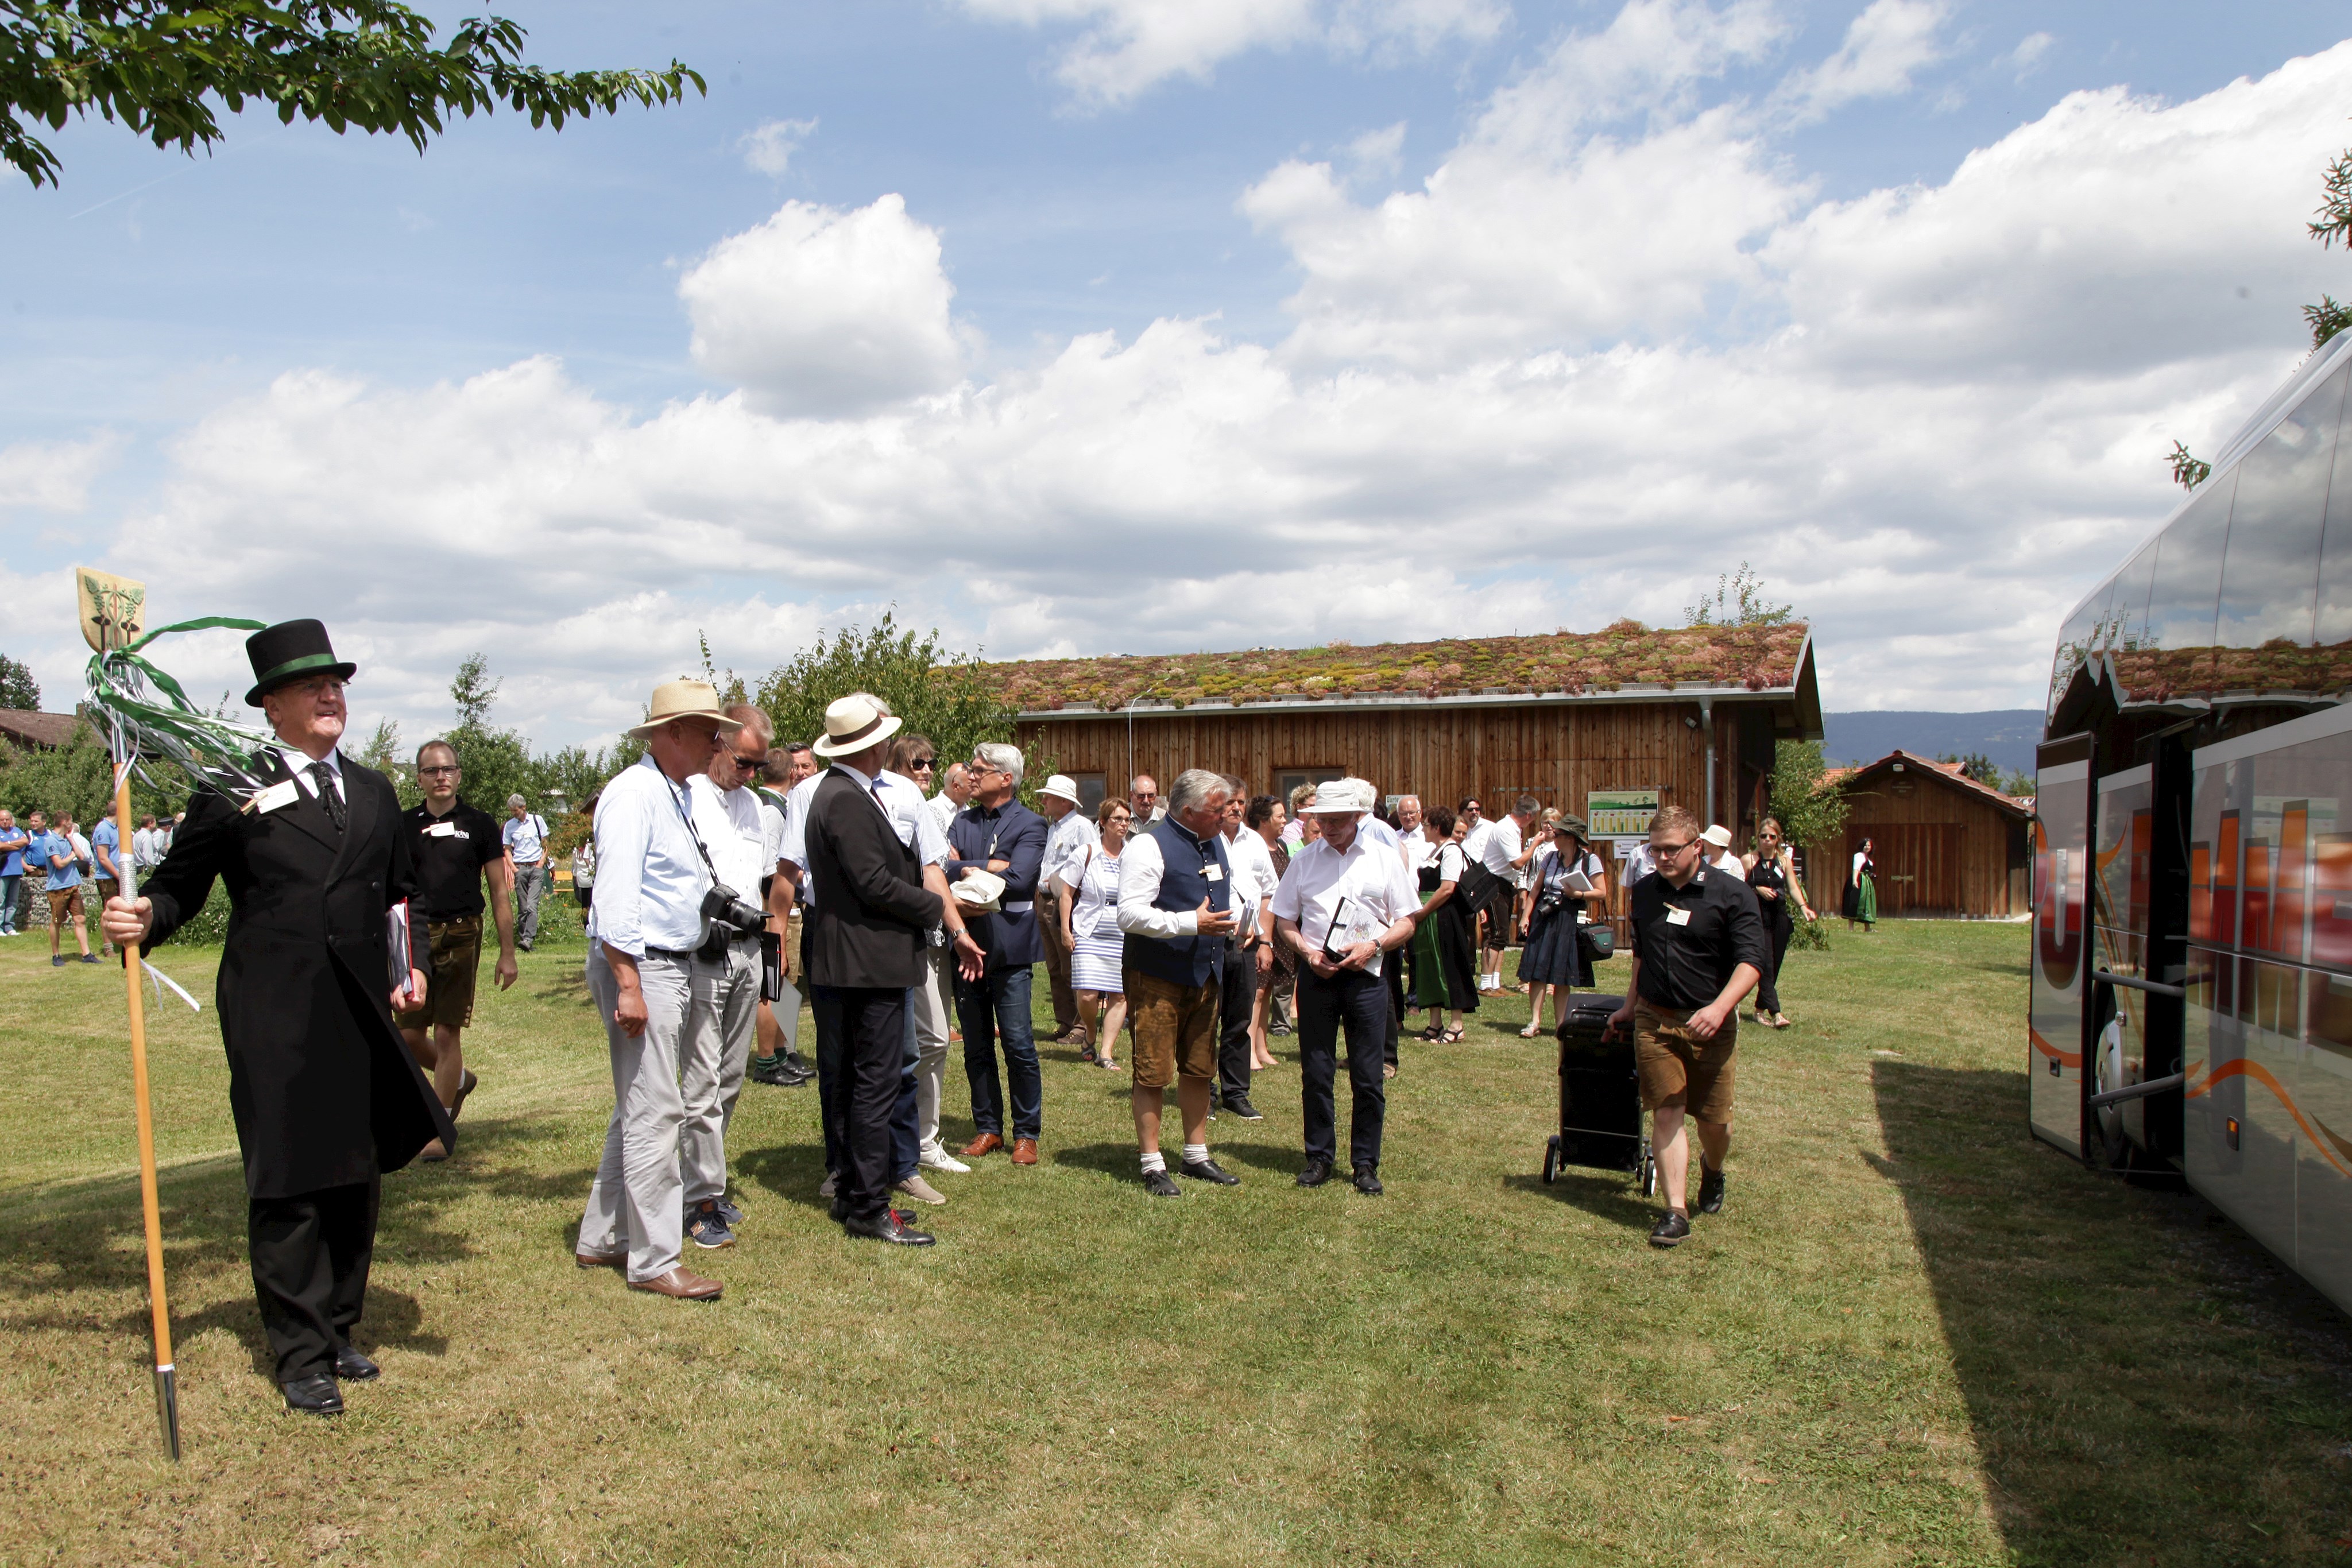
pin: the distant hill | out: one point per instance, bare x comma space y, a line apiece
2007, 735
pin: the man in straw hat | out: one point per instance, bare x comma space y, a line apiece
1343, 903
652, 877
324, 1091
1068, 836
868, 943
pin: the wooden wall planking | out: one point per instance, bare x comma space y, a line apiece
1957, 848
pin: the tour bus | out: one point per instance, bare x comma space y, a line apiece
2192, 1009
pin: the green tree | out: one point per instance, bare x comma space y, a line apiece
940, 694
1975, 765
78, 777
495, 763
17, 687
1813, 816
1737, 601
158, 67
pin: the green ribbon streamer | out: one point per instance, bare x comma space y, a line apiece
148, 715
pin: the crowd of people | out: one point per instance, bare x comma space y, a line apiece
76, 871
906, 899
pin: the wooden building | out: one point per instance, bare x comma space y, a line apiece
1944, 845
1691, 712
28, 728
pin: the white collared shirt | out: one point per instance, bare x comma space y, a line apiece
1417, 849
1253, 877
731, 829
1369, 876
1066, 843
649, 876
1141, 867
300, 764
1502, 847
901, 804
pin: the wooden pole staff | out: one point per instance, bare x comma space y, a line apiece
113, 609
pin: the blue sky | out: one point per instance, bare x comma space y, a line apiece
243, 374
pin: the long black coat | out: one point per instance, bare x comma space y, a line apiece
871, 922
323, 1088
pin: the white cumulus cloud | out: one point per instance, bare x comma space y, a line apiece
1885, 47
56, 475
820, 312
768, 147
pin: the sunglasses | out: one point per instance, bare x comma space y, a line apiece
923, 763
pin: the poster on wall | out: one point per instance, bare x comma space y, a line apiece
1620, 816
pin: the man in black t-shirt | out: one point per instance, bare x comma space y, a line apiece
1699, 948
453, 846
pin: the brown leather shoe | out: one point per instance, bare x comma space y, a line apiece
987, 1143
1024, 1151
602, 1259
680, 1285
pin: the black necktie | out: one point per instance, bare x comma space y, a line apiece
325, 778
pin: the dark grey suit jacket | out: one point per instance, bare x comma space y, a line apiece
869, 924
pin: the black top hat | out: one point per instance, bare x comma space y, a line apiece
289, 651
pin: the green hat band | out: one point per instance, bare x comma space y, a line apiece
296, 666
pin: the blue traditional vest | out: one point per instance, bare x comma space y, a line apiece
1187, 960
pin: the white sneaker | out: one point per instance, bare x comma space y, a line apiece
935, 1156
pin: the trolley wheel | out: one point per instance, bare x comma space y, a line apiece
1647, 1176
1552, 1159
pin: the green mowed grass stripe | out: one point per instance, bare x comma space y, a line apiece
1915, 1337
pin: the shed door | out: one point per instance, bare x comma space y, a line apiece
1918, 865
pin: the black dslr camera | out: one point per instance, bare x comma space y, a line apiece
731, 917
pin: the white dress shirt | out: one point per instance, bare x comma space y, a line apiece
1474, 843
1369, 876
1727, 861
900, 799
943, 809
300, 764
1639, 862
1370, 826
1502, 847
649, 876
1253, 877
1417, 849
1066, 843
729, 821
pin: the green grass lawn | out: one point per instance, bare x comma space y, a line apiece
1915, 1337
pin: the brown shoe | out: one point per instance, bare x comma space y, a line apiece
602, 1259
466, 1086
433, 1152
680, 1285
987, 1143
1024, 1151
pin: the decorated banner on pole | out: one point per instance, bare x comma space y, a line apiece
147, 716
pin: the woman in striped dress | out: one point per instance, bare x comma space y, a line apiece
1090, 929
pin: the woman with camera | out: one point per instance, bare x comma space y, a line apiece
1554, 956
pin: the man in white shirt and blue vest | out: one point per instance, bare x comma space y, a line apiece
1175, 904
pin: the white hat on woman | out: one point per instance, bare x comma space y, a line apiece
852, 723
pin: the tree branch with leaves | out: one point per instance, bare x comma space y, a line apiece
157, 67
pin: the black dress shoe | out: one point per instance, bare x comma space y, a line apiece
1209, 1170
315, 1394
1317, 1172
1670, 1232
1160, 1184
888, 1227
351, 1366
1368, 1182
1710, 1191
1239, 1104
840, 1209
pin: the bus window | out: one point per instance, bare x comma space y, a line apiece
2182, 607
2268, 580
2331, 902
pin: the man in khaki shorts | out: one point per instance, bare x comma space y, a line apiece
1175, 905
1699, 948
455, 849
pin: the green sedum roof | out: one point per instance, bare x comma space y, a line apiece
1627, 653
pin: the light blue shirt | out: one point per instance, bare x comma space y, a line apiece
522, 835
60, 876
104, 837
13, 842
649, 876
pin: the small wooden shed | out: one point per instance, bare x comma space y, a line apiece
1945, 845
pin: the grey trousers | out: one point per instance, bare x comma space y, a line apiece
635, 1200
931, 1008
721, 1021
530, 881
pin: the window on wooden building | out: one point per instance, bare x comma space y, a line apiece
1092, 787
1285, 780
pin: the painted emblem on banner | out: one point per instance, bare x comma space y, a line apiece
113, 608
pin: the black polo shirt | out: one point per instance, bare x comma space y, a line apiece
1686, 964
449, 853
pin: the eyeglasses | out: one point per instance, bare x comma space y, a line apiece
436, 772
1668, 852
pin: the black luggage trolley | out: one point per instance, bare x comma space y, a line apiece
1602, 1126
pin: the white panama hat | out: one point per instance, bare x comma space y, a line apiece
1063, 785
1718, 835
684, 699
851, 724
1335, 796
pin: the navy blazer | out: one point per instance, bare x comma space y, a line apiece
1008, 832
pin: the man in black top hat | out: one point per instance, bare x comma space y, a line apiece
325, 1093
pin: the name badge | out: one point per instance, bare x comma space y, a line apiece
1213, 873
277, 795
443, 830
1678, 917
